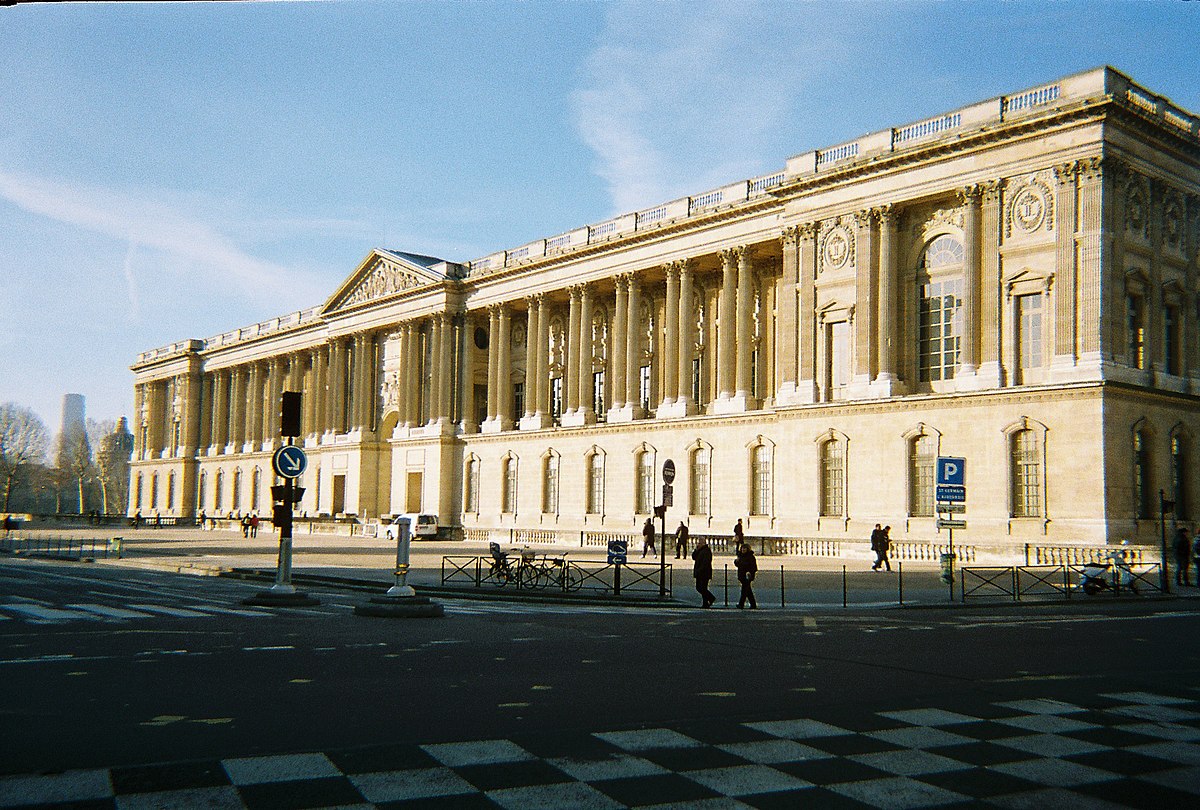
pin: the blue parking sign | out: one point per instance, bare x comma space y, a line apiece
951, 470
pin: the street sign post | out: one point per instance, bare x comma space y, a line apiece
668, 499
951, 493
289, 461
668, 472
618, 551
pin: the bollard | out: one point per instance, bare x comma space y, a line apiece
843, 586
114, 547
782, 594
726, 584
900, 579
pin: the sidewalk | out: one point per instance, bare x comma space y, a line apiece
809, 582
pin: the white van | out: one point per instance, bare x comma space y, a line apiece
420, 527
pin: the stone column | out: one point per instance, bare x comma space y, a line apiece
322, 421
745, 320
493, 383
990, 315
572, 353
806, 345
237, 405
786, 367
865, 347
532, 381
887, 336
586, 406
687, 340
411, 391
311, 395
1096, 234
633, 351
726, 361
505, 370
672, 350
337, 384
620, 339
969, 340
543, 361
435, 370
466, 398
222, 409
446, 361
206, 412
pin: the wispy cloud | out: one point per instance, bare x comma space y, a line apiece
141, 220
676, 96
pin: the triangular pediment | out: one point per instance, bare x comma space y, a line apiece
384, 273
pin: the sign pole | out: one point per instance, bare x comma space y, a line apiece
283, 570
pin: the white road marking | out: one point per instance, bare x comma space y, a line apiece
111, 612
182, 613
47, 614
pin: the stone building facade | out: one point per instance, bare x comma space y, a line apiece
1014, 282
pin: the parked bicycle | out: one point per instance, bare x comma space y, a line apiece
548, 571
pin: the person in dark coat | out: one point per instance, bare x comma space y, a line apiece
648, 538
881, 542
1183, 550
702, 570
747, 567
681, 541
739, 536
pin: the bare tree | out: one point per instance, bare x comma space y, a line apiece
23, 441
75, 460
114, 446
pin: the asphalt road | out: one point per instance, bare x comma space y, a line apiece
97, 672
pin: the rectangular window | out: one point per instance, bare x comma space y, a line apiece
598, 403
1029, 334
510, 487
644, 387
556, 399
833, 466
1136, 319
838, 341
596, 485
1026, 475
518, 400
472, 499
939, 330
761, 495
922, 460
481, 404
550, 487
1171, 341
699, 505
645, 484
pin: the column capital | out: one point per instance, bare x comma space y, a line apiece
790, 236
731, 256
886, 214
971, 194
865, 217
991, 191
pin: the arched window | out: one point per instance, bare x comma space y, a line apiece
645, 482
833, 479
137, 503
595, 504
201, 491
219, 491
508, 501
760, 480
550, 484
255, 488
922, 457
1179, 477
940, 327
1025, 473
237, 490
701, 458
170, 491
471, 482
1141, 475
154, 491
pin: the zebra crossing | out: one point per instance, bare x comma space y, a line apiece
40, 612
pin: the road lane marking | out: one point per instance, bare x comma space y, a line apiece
45, 613
111, 612
182, 613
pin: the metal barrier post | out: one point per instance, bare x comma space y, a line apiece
617, 579
900, 579
782, 594
843, 586
726, 584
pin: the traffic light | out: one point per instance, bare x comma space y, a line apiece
289, 414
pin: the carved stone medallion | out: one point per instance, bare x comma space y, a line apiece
1029, 209
839, 245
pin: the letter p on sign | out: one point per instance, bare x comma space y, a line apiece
951, 470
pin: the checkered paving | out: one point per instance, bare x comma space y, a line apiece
1122, 749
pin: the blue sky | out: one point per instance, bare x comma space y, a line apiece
177, 170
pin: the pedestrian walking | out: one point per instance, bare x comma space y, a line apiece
681, 541
254, 524
8, 525
203, 520
245, 525
881, 542
747, 567
648, 538
1183, 553
702, 570
739, 536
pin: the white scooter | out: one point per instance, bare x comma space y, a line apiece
1097, 577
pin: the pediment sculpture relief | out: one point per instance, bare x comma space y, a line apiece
382, 280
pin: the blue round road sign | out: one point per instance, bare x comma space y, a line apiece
289, 461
